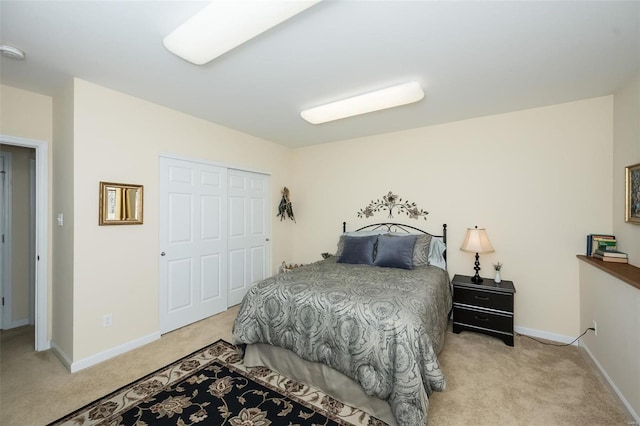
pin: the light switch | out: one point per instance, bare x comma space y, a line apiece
60, 219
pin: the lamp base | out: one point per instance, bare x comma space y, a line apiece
476, 279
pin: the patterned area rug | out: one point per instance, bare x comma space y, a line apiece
212, 386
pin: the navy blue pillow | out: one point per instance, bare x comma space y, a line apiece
358, 250
395, 252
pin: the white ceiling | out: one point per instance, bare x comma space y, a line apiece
473, 58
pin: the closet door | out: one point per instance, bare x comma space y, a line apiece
249, 246
193, 242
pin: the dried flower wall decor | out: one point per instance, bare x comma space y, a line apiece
285, 208
390, 202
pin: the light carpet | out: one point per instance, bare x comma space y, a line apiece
488, 382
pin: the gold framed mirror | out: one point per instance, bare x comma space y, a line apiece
120, 204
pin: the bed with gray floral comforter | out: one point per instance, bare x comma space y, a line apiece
383, 327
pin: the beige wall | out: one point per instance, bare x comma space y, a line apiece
29, 115
63, 299
626, 152
21, 265
119, 138
614, 304
25, 114
539, 180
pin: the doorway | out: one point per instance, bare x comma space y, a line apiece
28, 305
17, 249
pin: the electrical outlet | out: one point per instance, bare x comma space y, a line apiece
107, 319
595, 327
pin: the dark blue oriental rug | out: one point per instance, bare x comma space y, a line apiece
212, 387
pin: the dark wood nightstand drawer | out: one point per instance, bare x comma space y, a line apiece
485, 299
483, 319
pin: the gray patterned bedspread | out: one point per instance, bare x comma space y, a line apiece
383, 327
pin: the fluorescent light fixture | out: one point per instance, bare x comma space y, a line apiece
401, 94
11, 52
226, 24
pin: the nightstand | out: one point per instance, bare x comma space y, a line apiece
484, 308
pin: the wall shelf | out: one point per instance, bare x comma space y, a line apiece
623, 271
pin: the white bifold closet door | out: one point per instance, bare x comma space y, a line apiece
248, 231
213, 238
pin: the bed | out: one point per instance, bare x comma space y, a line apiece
365, 326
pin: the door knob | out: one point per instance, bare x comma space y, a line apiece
163, 254
267, 239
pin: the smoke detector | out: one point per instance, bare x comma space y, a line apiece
11, 52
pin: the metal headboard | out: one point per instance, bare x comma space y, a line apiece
398, 227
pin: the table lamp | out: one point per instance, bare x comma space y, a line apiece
476, 241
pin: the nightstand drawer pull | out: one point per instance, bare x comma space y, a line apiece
481, 297
481, 318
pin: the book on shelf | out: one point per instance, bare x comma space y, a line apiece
595, 241
611, 259
606, 245
597, 247
611, 253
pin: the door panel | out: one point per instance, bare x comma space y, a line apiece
211, 208
258, 263
257, 217
211, 280
236, 217
193, 242
236, 269
249, 246
179, 296
179, 214
211, 178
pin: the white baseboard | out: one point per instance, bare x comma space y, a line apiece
62, 356
46, 345
546, 335
16, 324
613, 386
110, 353
74, 366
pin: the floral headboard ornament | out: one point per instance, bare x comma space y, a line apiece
392, 201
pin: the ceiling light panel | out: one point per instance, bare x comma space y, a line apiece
389, 97
11, 52
226, 24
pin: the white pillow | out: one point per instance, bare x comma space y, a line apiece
436, 253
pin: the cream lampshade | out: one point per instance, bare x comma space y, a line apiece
476, 241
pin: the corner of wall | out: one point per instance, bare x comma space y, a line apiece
626, 152
62, 247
